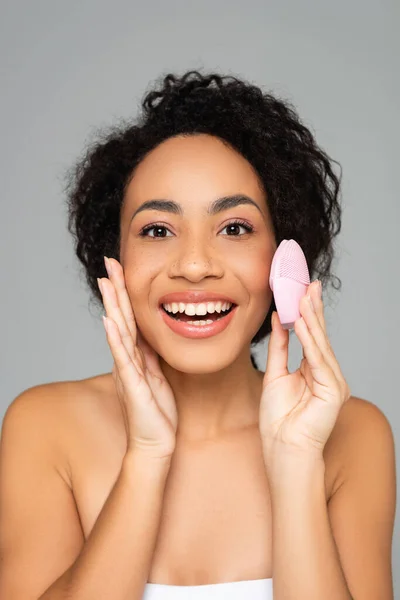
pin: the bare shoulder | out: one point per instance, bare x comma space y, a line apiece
53, 402
363, 505
60, 412
48, 437
360, 424
358, 415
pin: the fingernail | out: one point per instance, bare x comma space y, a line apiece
100, 285
108, 266
105, 322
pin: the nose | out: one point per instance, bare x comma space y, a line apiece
195, 262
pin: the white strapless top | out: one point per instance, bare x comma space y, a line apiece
254, 589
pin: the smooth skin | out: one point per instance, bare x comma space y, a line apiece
63, 443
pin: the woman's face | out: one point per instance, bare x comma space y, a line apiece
191, 249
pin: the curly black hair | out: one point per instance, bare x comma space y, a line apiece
301, 186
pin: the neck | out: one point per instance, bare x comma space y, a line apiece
213, 405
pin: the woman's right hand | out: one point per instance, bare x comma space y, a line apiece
146, 398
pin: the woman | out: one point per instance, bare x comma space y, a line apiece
187, 472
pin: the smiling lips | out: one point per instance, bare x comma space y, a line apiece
186, 323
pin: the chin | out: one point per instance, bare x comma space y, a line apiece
199, 362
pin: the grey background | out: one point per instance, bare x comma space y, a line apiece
70, 67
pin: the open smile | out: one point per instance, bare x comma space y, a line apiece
198, 326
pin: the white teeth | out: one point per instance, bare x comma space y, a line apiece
197, 309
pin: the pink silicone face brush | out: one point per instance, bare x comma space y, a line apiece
289, 279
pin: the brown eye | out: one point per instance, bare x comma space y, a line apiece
157, 227
237, 224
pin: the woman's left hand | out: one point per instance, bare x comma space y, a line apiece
299, 410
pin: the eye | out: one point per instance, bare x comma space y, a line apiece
239, 223
160, 226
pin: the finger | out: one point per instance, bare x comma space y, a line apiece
315, 322
112, 308
306, 372
117, 379
277, 357
314, 292
151, 356
327, 349
324, 379
116, 275
130, 375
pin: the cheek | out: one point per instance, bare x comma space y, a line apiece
140, 267
253, 269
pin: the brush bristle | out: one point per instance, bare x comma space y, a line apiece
292, 263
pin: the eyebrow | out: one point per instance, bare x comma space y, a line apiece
214, 208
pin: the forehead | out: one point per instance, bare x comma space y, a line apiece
193, 169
